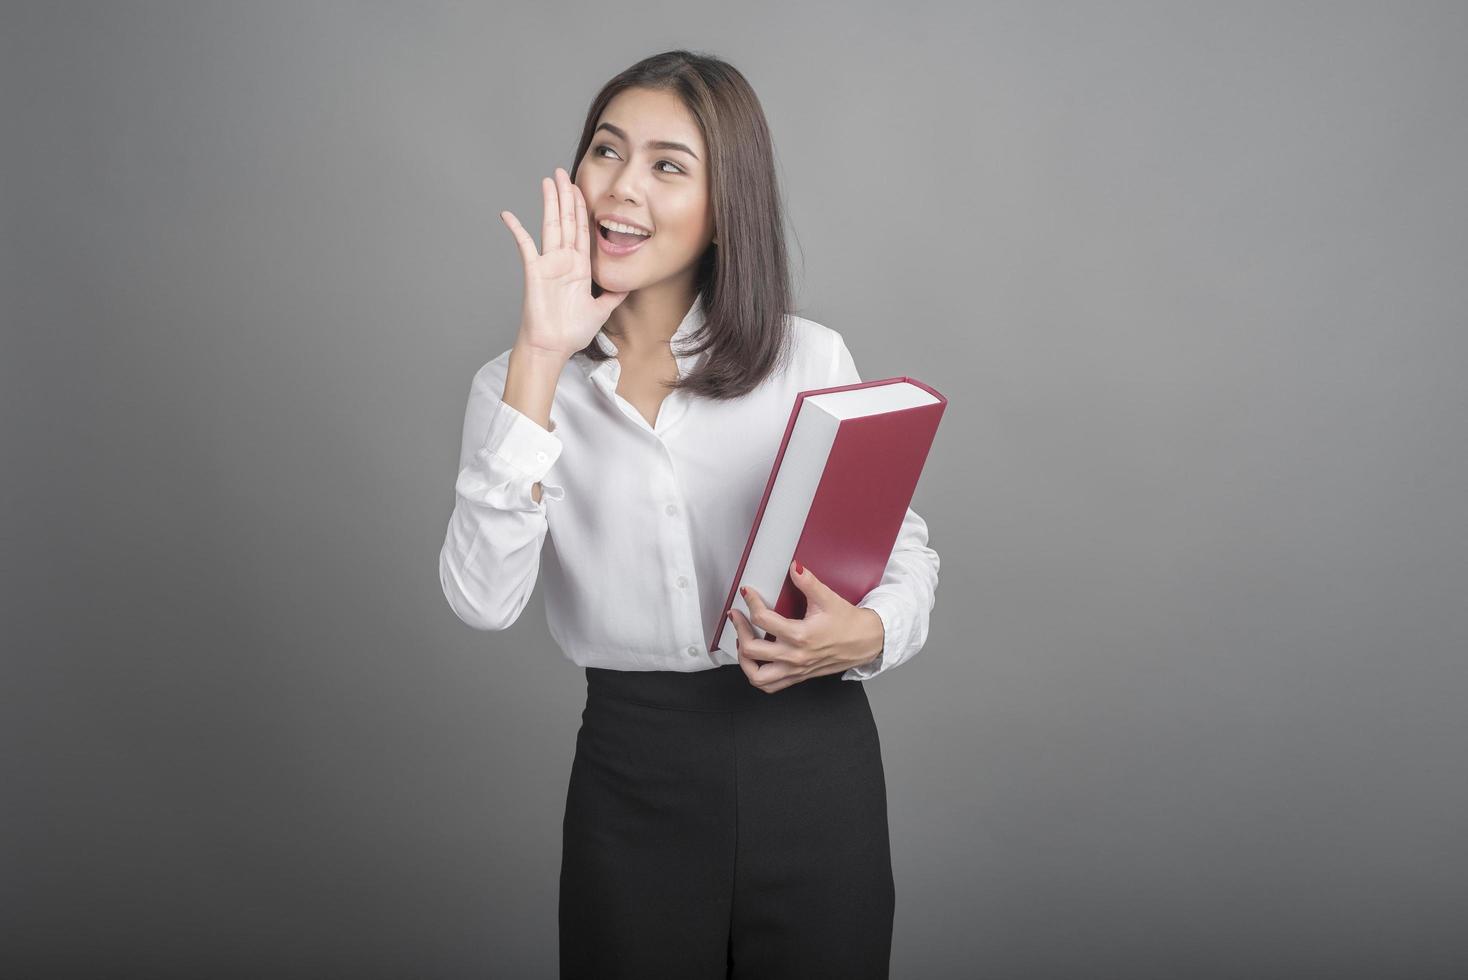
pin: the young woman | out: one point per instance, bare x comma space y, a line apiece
725, 817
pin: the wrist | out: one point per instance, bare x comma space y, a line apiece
876, 635
539, 356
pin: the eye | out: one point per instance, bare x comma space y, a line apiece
603, 146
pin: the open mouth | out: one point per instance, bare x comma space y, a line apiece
620, 237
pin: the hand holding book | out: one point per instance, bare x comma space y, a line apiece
834, 635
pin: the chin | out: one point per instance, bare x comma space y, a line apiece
616, 283
621, 280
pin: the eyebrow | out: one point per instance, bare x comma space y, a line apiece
650, 144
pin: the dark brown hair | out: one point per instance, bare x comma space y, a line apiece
743, 281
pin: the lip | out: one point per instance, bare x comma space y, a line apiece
616, 251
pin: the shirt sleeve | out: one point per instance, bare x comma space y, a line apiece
490, 558
905, 596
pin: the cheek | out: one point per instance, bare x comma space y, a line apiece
586, 180
686, 223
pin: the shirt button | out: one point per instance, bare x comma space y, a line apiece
682, 582
540, 457
672, 508
693, 650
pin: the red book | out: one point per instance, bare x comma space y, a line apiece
837, 494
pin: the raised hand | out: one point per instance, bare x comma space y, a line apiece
559, 314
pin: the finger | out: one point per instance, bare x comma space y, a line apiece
751, 669
748, 635
522, 238
766, 618
760, 674
743, 631
568, 208
752, 645
729, 614
583, 231
550, 222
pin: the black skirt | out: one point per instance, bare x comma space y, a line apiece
713, 831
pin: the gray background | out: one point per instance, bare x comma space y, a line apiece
1193, 277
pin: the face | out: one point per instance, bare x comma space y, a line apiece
661, 188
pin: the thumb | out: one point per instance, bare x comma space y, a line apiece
608, 301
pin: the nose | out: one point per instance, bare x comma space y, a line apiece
625, 186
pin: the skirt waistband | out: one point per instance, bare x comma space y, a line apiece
721, 688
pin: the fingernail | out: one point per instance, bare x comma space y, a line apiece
798, 569
744, 591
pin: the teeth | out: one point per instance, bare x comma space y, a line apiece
618, 226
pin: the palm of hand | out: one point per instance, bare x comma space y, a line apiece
560, 312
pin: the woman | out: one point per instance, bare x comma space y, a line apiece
724, 818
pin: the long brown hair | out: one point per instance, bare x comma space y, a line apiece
744, 281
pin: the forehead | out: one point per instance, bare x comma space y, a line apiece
648, 114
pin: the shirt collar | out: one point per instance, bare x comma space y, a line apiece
691, 323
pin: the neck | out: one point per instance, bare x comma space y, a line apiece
647, 319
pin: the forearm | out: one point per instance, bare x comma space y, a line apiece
530, 388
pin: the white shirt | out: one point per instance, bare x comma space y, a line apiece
640, 527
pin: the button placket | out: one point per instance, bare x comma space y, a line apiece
683, 547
